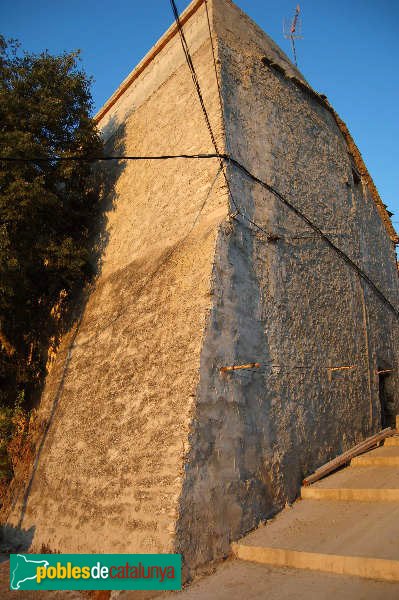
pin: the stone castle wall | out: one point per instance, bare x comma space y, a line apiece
111, 468
290, 304
150, 448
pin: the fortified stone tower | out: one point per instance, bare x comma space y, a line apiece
147, 445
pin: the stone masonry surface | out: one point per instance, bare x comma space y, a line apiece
150, 448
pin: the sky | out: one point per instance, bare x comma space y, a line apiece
349, 52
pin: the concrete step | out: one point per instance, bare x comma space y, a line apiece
392, 441
369, 484
348, 494
241, 580
349, 538
382, 456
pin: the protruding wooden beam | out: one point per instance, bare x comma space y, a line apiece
254, 365
343, 368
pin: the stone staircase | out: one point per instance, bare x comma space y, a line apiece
346, 523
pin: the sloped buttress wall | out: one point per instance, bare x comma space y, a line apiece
290, 303
149, 448
120, 396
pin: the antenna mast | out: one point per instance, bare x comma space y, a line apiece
292, 30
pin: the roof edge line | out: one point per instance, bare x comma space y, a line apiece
353, 151
148, 58
364, 172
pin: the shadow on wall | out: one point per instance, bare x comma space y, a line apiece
106, 176
386, 394
230, 484
15, 539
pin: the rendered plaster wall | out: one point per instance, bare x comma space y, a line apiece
149, 448
291, 304
120, 395
154, 70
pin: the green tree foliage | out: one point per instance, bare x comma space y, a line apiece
47, 208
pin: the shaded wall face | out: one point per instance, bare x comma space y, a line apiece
291, 304
149, 448
121, 393
317, 312
377, 256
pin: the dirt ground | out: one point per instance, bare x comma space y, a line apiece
237, 580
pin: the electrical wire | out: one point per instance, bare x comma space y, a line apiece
272, 190
226, 158
223, 158
214, 58
317, 229
158, 268
197, 86
193, 72
105, 158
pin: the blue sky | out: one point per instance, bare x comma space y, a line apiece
349, 52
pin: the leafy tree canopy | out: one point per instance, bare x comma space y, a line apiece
47, 208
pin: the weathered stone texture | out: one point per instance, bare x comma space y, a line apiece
111, 468
150, 448
291, 304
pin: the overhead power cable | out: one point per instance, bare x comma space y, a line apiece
234, 162
37, 159
317, 229
159, 266
245, 171
214, 57
223, 158
193, 72
197, 86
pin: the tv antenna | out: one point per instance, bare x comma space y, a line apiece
292, 30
